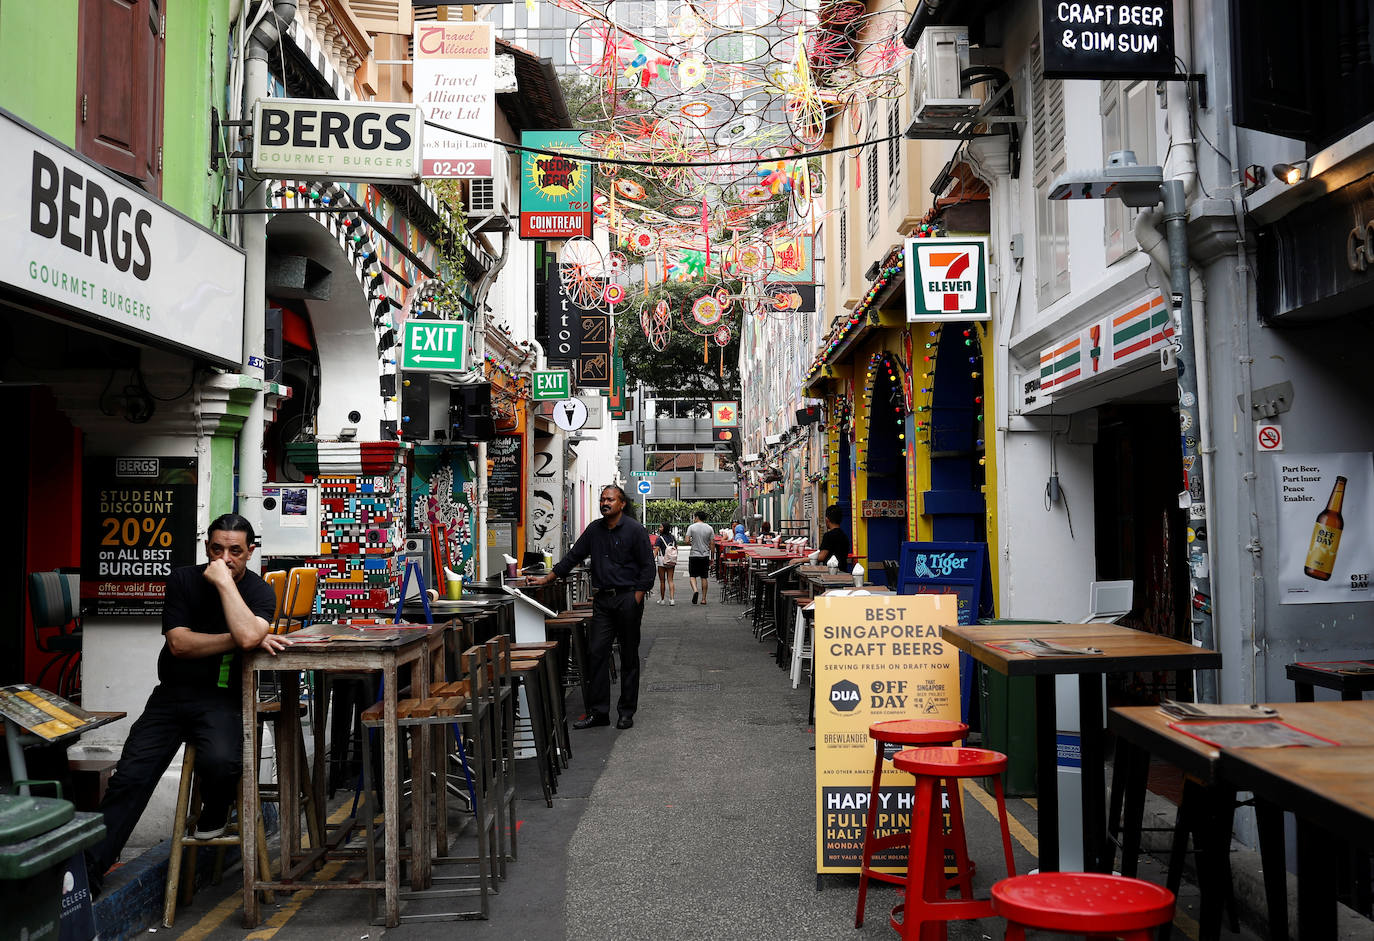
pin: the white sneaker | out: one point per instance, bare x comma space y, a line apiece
659, 601
672, 601
211, 834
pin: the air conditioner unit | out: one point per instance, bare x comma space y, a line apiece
487, 194
938, 91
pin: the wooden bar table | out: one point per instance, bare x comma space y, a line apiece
1123, 650
1351, 678
1147, 729
1329, 792
380, 648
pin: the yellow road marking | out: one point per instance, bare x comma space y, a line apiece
217, 915
1019, 832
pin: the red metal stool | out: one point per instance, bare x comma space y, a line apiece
905, 732
925, 911
1082, 903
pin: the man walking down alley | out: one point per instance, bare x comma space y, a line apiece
699, 535
622, 575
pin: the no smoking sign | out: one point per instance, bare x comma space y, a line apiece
1268, 437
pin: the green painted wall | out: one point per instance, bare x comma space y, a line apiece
38, 47
221, 496
197, 72
38, 64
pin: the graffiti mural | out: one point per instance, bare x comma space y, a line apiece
443, 493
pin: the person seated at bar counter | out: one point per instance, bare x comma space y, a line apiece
210, 613
835, 542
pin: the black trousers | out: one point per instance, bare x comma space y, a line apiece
614, 617
209, 719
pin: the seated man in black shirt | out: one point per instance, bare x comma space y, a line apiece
210, 613
835, 542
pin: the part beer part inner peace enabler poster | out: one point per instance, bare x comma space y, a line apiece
1326, 526
877, 658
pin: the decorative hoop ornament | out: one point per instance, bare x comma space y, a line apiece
707, 311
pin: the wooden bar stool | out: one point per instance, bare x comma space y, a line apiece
548, 651
575, 627
1090, 904
529, 673
502, 710
938, 771
182, 880
889, 738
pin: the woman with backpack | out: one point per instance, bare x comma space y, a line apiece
664, 545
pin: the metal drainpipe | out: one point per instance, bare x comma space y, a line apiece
1199, 563
266, 34
479, 330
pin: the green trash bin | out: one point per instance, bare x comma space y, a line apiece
1007, 711
38, 835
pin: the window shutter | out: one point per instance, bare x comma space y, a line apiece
1112, 140
894, 150
119, 87
872, 170
382, 16
1052, 236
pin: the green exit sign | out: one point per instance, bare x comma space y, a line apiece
552, 384
436, 345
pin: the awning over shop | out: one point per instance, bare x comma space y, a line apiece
90, 248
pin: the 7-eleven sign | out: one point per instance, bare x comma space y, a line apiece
724, 414
947, 279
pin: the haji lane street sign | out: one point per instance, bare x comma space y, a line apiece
552, 385
435, 346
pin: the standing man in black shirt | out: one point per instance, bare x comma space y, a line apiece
835, 542
211, 612
622, 574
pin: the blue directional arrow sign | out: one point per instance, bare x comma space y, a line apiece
645, 486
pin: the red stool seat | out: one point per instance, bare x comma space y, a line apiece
1086, 903
909, 732
937, 771
917, 731
951, 762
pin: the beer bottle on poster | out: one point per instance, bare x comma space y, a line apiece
1326, 536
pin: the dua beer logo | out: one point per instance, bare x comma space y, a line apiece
844, 696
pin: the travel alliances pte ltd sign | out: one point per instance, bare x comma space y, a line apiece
947, 279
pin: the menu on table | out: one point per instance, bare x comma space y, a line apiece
1356, 667
1268, 733
45, 714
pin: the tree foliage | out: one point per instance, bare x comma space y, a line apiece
682, 512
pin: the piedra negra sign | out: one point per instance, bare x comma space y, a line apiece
1126, 39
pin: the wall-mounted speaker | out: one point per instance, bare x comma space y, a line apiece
470, 412
415, 407
808, 415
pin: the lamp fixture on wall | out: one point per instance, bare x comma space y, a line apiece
1291, 173
348, 433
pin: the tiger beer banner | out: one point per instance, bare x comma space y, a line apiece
877, 658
